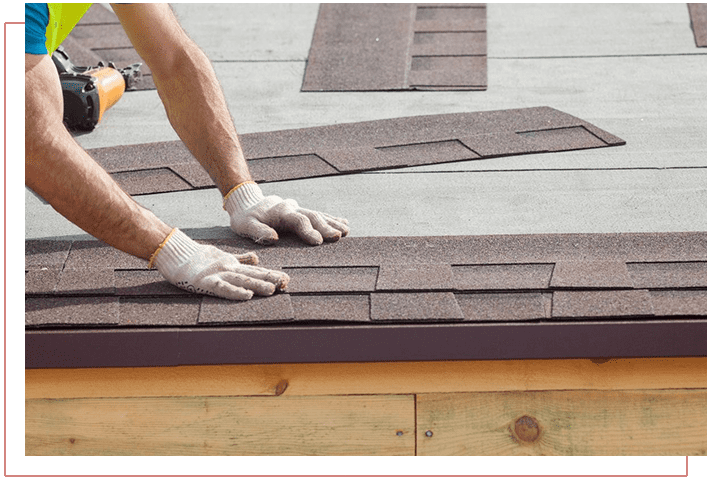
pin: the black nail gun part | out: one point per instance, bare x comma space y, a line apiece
90, 91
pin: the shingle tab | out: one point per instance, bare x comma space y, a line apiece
601, 304
504, 306
145, 283
98, 255
591, 274
422, 277
412, 307
691, 274
152, 311
79, 282
71, 311
336, 279
158, 180
679, 303
351, 307
502, 276
41, 280
270, 309
46, 253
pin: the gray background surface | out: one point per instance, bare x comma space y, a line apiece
630, 69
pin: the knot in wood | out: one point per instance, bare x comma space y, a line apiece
281, 387
527, 429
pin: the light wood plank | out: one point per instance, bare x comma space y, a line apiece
367, 378
345, 425
667, 422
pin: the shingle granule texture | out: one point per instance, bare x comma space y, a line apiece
363, 298
357, 147
394, 47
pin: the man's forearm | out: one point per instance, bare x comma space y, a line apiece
60, 171
198, 112
86, 195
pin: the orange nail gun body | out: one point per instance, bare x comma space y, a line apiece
90, 91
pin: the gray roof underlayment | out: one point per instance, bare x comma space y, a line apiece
571, 252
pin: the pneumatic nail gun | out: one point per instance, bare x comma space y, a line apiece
90, 91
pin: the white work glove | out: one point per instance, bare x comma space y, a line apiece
208, 270
257, 217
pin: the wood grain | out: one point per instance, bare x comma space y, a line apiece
587, 423
339, 425
367, 378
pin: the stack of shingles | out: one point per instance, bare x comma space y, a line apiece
99, 36
402, 46
535, 278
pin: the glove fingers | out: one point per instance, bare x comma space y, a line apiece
257, 286
224, 289
338, 225
257, 231
247, 258
322, 225
299, 224
278, 278
335, 218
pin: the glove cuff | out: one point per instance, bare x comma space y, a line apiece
173, 252
242, 197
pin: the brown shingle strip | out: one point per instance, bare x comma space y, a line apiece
504, 306
159, 311
98, 255
363, 146
335, 279
159, 180
359, 47
449, 43
351, 307
502, 276
367, 47
57, 311
46, 253
698, 17
80, 282
41, 280
679, 303
144, 283
289, 168
591, 274
272, 309
536, 253
414, 307
450, 18
601, 304
432, 277
691, 274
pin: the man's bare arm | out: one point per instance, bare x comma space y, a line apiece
189, 89
61, 172
197, 110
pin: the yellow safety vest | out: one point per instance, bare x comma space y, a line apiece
63, 17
